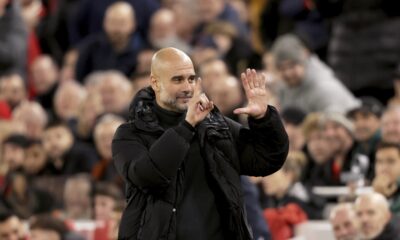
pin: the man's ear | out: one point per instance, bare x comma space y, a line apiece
155, 85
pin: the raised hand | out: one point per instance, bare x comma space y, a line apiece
256, 94
199, 106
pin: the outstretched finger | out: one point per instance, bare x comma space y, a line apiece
250, 78
256, 78
197, 87
245, 82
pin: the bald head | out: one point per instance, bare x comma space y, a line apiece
344, 222
373, 212
164, 58
172, 78
119, 23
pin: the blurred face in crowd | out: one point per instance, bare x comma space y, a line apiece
338, 137
391, 126
67, 100
119, 23
210, 9
162, 28
104, 207
318, 146
213, 72
44, 234
115, 93
13, 155
277, 184
345, 223
35, 159
173, 79
373, 214
292, 73
11, 229
387, 163
12, 89
295, 135
32, 116
366, 125
104, 133
44, 74
77, 199
57, 140
226, 94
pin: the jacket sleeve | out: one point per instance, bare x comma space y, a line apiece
153, 168
263, 148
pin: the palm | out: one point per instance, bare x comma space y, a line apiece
256, 94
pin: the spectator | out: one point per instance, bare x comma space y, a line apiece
117, 48
78, 197
284, 187
65, 155
140, 81
345, 223
309, 84
67, 99
212, 71
107, 199
45, 76
366, 120
391, 125
89, 112
163, 31
33, 117
13, 39
35, 159
227, 94
387, 174
12, 89
47, 227
116, 93
374, 214
11, 227
13, 151
347, 166
104, 130
144, 61
318, 149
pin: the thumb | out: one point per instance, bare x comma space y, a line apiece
241, 111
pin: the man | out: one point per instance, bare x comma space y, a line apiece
309, 83
12, 89
366, 120
117, 48
182, 160
344, 222
11, 227
387, 174
32, 116
374, 215
391, 125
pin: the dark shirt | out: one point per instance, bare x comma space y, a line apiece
197, 214
97, 53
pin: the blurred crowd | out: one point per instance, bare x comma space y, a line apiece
69, 70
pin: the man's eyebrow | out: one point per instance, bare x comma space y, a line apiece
177, 77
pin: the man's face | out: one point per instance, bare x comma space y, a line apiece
13, 155
11, 229
391, 126
104, 207
44, 75
103, 139
114, 98
388, 163
373, 218
366, 124
13, 90
291, 72
176, 86
35, 159
337, 135
119, 25
295, 135
345, 225
57, 140
318, 146
210, 9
